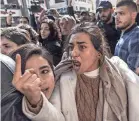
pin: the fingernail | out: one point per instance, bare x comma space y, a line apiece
34, 75
17, 55
26, 71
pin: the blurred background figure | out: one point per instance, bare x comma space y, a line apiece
9, 19
11, 38
53, 12
23, 20
11, 99
33, 35
50, 40
107, 23
66, 23
93, 17
84, 16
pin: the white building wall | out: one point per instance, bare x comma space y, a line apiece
58, 5
15, 12
80, 5
77, 4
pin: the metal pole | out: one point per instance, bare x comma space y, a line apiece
46, 2
25, 11
97, 3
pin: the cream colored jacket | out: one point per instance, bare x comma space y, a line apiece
63, 97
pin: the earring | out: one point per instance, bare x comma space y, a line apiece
99, 54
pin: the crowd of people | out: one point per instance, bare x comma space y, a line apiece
72, 67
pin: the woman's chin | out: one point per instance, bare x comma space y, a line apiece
44, 37
78, 70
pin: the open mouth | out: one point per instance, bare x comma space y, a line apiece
76, 65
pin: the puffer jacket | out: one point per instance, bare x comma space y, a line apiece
11, 106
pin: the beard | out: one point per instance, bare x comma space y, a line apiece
107, 18
125, 26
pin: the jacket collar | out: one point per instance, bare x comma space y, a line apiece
131, 28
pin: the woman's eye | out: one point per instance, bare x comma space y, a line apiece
121, 13
6, 46
70, 47
46, 29
82, 47
44, 71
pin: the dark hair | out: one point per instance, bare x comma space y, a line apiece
51, 17
25, 18
28, 50
84, 13
53, 30
96, 36
33, 34
15, 35
130, 4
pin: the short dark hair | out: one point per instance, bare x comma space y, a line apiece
28, 50
84, 13
25, 18
130, 4
96, 36
15, 35
33, 34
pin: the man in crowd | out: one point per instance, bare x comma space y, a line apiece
84, 16
66, 23
107, 23
127, 47
9, 19
24, 20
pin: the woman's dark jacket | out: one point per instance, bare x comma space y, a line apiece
11, 99
54, 47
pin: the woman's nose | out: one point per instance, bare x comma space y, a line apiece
42, 30
75, 52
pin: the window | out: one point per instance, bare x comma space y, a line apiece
13, 2
82, 9
2, 2
3, 21
41, 1
59, 1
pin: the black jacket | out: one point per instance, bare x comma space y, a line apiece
111, 34
137, 19
54, 47
11, 99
